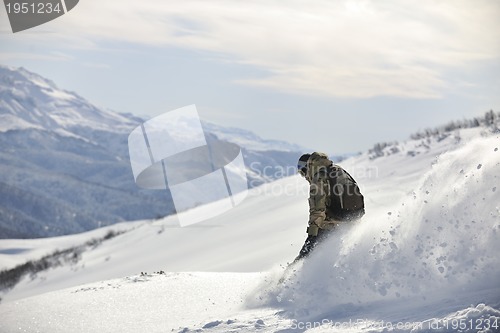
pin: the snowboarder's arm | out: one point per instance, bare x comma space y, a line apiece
318, 196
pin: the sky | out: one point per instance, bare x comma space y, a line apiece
334, 76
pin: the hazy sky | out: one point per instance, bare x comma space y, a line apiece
336, 76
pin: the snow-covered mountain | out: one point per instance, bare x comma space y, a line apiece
249, 140
29, 101
64, 164
424, 258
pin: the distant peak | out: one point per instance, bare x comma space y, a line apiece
31, 101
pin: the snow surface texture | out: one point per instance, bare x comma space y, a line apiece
425, 254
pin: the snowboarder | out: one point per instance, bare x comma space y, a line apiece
334, 197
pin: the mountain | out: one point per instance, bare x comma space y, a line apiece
249, 140
423, 258
29, 101
64, 165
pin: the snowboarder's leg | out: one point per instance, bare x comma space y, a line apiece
311, 242
309, 245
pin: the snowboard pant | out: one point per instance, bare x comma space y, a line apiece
311, 242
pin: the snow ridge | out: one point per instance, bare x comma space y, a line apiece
30, 101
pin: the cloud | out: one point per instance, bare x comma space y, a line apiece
55, 56
353, 48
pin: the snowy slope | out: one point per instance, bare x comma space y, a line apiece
442, 237
426, 253
218, 302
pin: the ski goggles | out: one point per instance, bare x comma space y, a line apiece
302, 168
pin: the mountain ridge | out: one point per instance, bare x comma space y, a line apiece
58, 147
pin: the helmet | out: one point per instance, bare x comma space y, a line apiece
302, 164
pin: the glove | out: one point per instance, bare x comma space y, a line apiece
317, 218
312, 230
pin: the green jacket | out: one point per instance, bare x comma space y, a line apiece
319, 190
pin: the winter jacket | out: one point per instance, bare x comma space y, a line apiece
319, 190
